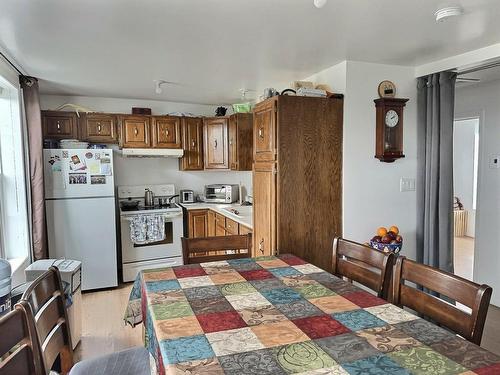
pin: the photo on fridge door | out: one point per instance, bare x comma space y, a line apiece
77, 178
76, 164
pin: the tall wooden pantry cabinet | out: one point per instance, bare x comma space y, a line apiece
297, 177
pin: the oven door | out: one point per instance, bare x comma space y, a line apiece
169, 247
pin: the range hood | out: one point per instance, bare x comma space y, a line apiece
152, 152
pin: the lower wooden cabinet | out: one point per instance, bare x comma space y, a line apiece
198, 223
211, 223
208, 223
264, 209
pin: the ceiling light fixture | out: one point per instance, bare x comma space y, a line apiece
445, 13
320, 3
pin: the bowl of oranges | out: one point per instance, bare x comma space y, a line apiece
387, 240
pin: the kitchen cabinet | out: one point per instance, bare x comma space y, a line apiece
264, 209
211, 223
135, 131
99, 127
192, 144
216, 143
197, 223
240, 141
297, 177
166, 132
232, 227
264, 132
59, 125
245, 230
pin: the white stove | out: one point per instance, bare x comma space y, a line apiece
164, 253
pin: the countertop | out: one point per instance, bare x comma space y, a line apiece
245, 216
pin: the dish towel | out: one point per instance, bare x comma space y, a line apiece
145, 229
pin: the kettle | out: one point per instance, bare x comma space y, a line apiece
149, 198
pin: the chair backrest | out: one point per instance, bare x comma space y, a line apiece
19, 348
46, 298
363, 264
209, 249
476, 297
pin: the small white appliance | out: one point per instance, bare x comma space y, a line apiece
165, 253
71, 272
80, 211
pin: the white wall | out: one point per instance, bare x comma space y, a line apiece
371, 196
371, 188
139, 171
482, 101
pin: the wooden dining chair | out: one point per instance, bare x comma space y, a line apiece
19, 350
363, 264
209, 249
476, 297
46, 299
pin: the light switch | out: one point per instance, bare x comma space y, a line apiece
406, 184
495, 161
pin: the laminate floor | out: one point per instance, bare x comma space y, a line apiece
464, 257
104, 332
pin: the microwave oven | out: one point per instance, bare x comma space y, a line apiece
222, 193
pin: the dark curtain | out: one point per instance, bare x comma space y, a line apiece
31, 104
435, 106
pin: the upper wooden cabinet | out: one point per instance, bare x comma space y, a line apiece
264, 131
59, 125
240, 142
216, 143
97, 127
135, 131
166, 132
192, 143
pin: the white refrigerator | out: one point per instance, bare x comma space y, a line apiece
80, 211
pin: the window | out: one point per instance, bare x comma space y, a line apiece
14, 229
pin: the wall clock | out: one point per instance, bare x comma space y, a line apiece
389, 130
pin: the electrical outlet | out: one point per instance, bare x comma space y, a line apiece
495, 161
406, 184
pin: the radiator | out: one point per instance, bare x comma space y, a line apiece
460, 222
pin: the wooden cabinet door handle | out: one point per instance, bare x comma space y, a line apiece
261, 246
58, 127
261, 132
215, 143
193, 144
167, 132
136, 131
231, 142
98, 127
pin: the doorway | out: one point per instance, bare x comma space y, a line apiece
465, 174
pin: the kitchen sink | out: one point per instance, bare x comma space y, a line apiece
238, 211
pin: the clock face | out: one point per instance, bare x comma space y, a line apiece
391, 118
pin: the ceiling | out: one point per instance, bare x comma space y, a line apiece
212, 48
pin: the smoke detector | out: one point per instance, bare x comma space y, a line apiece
445, 13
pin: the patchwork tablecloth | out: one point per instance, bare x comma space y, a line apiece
281, 315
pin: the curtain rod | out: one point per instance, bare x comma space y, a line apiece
12, 64
479, 68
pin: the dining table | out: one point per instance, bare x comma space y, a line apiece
282, 315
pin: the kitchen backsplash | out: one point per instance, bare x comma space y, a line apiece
140, 171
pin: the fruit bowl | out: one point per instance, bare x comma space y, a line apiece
387, 247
